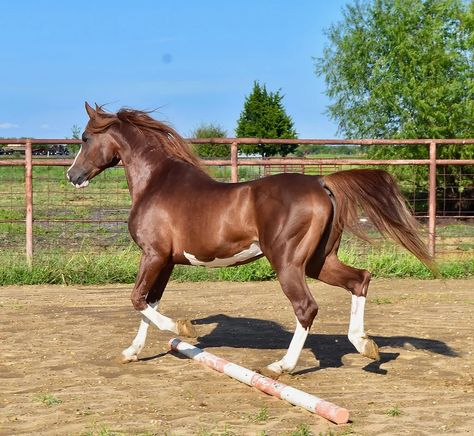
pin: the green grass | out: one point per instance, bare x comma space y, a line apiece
393, 411
381, 300
260, 417
302, 430
100, 430
87, 267
47, 399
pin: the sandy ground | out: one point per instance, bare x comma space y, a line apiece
60, 373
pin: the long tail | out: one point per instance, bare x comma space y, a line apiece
377, 194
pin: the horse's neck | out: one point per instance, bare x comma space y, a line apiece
141, 165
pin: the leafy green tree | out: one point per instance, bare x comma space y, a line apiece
404, 69
264, 116
211, 150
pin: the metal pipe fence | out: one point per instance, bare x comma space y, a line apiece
38, 207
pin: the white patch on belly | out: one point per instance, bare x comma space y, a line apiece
251, 252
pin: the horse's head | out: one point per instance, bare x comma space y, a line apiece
98, 150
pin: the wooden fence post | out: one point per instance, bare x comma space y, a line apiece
29, 202
432, 201
234, 162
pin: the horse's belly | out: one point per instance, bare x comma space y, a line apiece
252, 252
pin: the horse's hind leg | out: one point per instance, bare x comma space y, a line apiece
356, 281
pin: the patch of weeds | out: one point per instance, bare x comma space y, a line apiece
101, 430
227, 432
348, 431
15, 305
48, 399
261, 416
381, 300
393, 411
302, 430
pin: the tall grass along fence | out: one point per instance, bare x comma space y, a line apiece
50, 232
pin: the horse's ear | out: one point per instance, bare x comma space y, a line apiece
90, 111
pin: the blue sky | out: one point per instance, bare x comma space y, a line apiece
194, 60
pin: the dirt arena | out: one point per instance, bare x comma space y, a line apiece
60, 373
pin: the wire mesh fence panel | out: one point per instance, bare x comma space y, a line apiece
12, 209
455, 206
66, 219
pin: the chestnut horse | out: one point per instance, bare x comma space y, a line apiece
180, 215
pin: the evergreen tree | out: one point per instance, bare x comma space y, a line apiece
264, 116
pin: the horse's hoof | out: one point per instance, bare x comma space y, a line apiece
371, 350
128, 359
267, 372
185, 328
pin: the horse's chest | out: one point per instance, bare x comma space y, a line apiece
243, 256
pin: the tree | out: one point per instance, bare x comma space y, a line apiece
211, 150
403, 69
264, 116
76, 134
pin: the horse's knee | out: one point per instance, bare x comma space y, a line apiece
138, 301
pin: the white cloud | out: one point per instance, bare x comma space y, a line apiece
8, 126
44, 126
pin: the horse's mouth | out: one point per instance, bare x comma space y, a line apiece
81, 185
79, 182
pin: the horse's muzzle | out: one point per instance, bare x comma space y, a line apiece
78, 181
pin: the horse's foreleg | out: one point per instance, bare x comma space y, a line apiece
130, 354
150, 270
290, 359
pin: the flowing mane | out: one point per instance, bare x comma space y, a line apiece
170, 141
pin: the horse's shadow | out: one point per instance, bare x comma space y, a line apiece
237, 332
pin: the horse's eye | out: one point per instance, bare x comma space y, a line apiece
84, 137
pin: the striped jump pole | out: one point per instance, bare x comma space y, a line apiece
272, 387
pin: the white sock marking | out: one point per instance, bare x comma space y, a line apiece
159, 320
356, 325
290, 359
251, 252
138, 343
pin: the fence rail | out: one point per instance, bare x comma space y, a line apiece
235, 162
